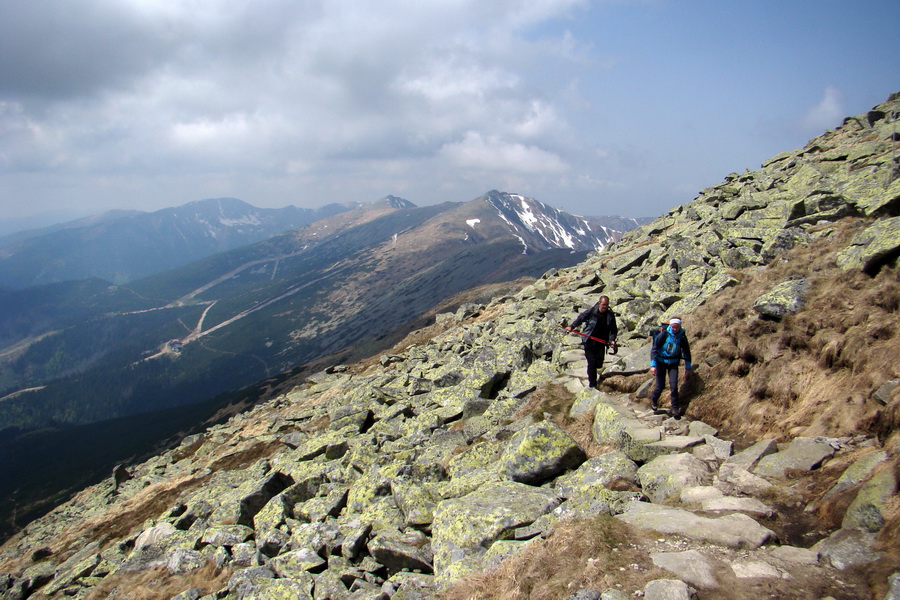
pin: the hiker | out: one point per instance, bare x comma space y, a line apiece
600, 322
666, 352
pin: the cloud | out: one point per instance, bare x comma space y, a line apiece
828, 113
475, 151
149, 86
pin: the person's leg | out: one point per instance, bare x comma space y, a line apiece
660, 384
673, 390
591, 355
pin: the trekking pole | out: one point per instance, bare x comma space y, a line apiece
615, 348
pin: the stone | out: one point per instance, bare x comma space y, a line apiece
399, 552
598, 472
541, 452
690, 566
856, 472
750, 506
463, 528
667, 589
847, 548
884, 391
893, 592
792, 554
665, 476
750, 569
804, 454
296, 563
734, 531
734, 480
749, 457
870, 247
721, 448
699, 493
784, 299
868, 509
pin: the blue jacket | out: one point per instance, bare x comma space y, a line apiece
669, 348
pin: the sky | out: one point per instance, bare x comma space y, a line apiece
597, 107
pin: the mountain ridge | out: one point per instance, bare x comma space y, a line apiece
121, 246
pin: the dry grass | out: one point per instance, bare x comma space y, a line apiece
598, 553
813, 373
159, 584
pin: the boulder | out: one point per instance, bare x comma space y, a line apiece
665, 476
784, 299
464, 528
804, 454
868, 509
878, 243
734, 531
540, 452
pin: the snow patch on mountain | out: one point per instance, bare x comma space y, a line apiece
249, 219
546, 227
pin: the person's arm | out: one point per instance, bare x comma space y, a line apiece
686, 353
580, 319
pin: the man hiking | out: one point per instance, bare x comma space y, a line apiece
666, 352
599, 322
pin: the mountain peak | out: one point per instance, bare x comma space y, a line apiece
395, 202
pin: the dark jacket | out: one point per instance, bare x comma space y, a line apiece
669, 348
592, 320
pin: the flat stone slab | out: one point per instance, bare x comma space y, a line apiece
748, 458
736, 480
700, 493
804, 454
750, 506
846, 548
676, 443
749, 569
691, 567
734, 531
667, 589
801, 556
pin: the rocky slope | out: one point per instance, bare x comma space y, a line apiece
475, 444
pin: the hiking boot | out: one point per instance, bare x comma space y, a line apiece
653, 405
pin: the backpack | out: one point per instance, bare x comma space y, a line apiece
669, 349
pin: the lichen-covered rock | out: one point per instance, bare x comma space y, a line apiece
868, 509
783, 299
464, 528
598, 472
878, 243
802, 453
398, 551
856, 472
665, 476
539, 453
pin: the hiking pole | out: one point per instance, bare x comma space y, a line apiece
615, 347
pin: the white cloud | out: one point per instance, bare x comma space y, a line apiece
828, 113
475, 151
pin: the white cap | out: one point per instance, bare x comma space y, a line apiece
673, 321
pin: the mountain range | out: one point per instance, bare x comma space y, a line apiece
121, 246
87, 350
